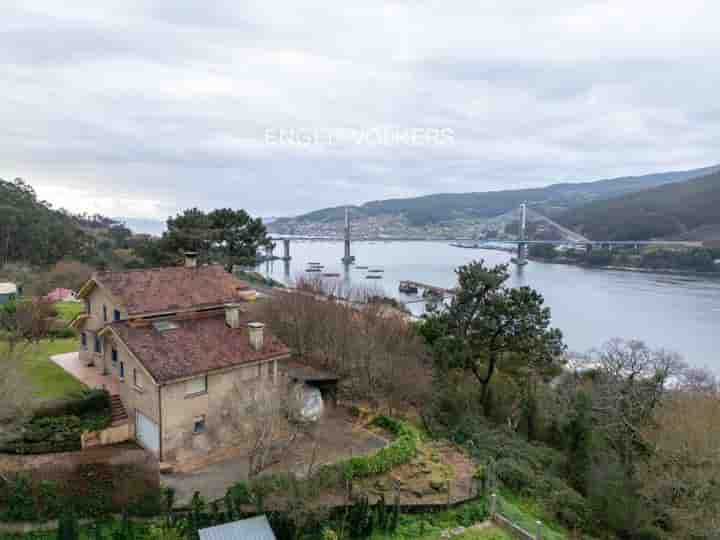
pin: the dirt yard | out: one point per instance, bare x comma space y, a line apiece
337, 437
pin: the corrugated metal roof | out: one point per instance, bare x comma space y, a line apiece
255, 528
8, 288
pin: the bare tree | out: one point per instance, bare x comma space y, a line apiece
14, 395
630, 382
256, 415
371, 346
683, 476
28, 321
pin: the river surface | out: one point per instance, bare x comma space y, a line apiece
590, 306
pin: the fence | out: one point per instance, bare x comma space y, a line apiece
516, 530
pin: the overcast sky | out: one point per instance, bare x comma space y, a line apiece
140, 109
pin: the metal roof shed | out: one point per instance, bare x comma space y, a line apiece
254, 528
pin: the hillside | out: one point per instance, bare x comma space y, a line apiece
32, 231
446, 212
687, 210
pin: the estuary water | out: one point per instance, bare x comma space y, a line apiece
590, 306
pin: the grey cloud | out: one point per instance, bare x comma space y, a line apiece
151, 107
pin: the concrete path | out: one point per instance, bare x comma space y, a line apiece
90, 376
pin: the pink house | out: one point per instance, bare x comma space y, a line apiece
64, 295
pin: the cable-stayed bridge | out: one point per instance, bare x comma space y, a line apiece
570, 238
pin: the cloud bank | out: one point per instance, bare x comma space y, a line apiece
140, 109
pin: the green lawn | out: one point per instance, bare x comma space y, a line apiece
67, 311
526, 513
489, 533
46, 379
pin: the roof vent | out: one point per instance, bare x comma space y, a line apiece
256, 330
232, 315
191, 259
164, 326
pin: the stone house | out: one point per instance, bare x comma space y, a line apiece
177, 342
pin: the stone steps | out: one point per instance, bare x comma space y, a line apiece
118, 414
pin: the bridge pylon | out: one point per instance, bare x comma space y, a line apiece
521, 258
347, 257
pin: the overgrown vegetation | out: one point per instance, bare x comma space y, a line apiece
376, 352
669, 210
585, 445
57, 427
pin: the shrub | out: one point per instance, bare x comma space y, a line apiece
516, 475
648, 533
20, 501
95, 400
570, 507
148, 504
398, 452
239, 493
62, 333
48, 500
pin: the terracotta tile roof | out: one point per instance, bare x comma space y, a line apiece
174, 288
196, 346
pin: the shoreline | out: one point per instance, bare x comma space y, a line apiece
669, 271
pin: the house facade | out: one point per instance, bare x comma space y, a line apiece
182, 347
8, 292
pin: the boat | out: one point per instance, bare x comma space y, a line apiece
362, 267
373, 276
313, 270
331, 274
376, 270
408, 287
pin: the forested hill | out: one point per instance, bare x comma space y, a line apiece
447, 207
687, 210
33, 232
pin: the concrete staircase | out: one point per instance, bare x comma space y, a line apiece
118, 415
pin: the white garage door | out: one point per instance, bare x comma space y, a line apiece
147, 432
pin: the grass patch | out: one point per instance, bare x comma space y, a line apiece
45, 378
67, 311
526, 514
488, 533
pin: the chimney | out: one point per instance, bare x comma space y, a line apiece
190, 259
256, 335
232, 315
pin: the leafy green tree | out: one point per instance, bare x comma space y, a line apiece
226, 236
489, 324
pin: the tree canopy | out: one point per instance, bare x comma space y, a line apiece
488, 324
224, 235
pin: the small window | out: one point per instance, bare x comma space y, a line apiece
98, 345
83, 340
122, 370
116, 315
104, 313
137, 378
196, 386
114, 355
88, 306
199, 426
